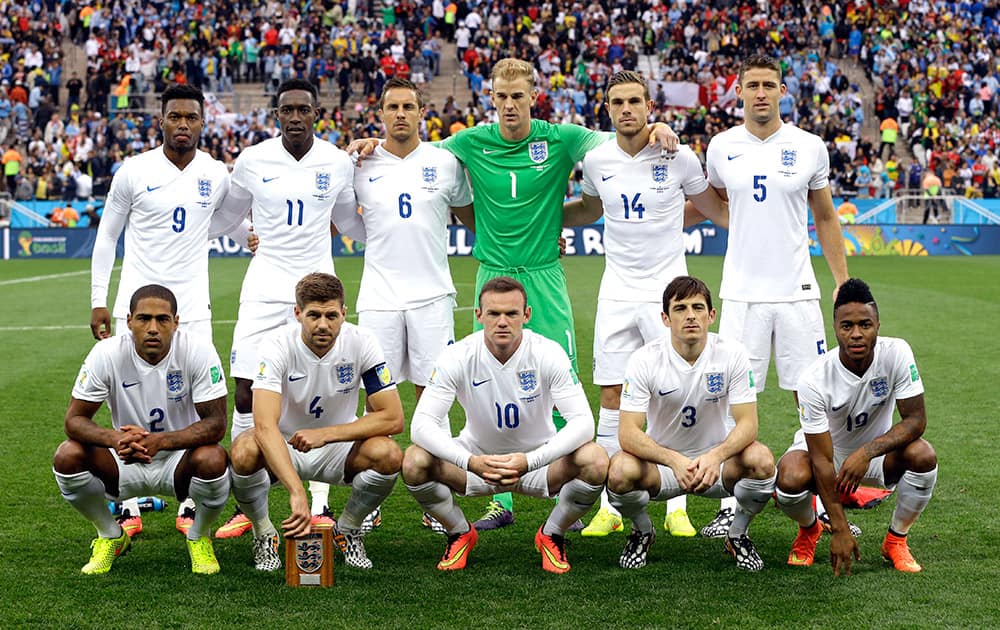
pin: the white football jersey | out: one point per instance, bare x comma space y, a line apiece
768, 183
508, 407
167, 213
643, 199
293, 205
686, 405
405, 208
857, 409
319, 392
159, 397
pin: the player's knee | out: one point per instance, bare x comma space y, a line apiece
623, 472
920, 456
759, 461
209, 462
244, 454
384, 454
416, 465
794, 472
593, 462
70, 458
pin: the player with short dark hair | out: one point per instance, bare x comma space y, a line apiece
846, 403
167, 395
681, 387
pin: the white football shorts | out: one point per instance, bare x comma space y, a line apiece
413, 339
254, 321
620, 329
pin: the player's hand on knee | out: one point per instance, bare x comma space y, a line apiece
298, 522
852, 472
306, 439
705, 472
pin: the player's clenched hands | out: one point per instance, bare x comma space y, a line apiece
502, 470
684, 473
306, 440
704, 471
842, 548
129, 445
297, 523
361, 148
852, 472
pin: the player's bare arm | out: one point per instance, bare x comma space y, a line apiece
636, 442
843, 546
706, 205
384, 419
266, 413
583, 211
80, 426
828, 231
209, 429
466, 215
705, 468
913, 422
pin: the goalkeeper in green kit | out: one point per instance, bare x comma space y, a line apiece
519, 169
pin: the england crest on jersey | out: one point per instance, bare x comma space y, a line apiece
714, 382
204, 187
880, 387
430, 174
538, 151
345, 373
175, 381
659, 173
322, 181
527, 380
788, 157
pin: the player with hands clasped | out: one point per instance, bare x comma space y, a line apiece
846, 402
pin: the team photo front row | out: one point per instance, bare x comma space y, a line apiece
688, 425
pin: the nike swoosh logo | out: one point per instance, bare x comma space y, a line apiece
838, 408
487, 151
292, 379
375, 179
152, 188
794, 559
554, 560
127, 385
733, 157
605, 178
456, 557
270, 179
475, 384
663, 393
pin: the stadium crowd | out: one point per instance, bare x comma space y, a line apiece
933, 65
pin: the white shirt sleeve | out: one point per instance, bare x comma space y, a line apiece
569, 398
209, 381
588, 187
812, 409
635, 390
93, 383
821, 178
430, 428
460, 194
907, 383
344, 213
113, 220
740, 370
273, 364
693, 182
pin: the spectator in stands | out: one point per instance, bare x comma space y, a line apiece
931, 186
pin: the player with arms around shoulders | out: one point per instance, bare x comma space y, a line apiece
641, 195
169, 201
296, 188
681, 388
305, 398
508, 380
846, 401
772, 173
167, 395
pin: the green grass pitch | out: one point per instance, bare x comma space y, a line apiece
947, 308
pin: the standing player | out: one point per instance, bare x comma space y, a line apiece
642, 198
168, 202
847, 436
304, 403
772, 173
682, 388
508, 380
295, 187
406, 190
167, 396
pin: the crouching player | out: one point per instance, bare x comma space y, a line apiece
508, 380
845, 406
167, 396
681, 387
305, 399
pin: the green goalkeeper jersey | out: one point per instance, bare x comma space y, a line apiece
518, 188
